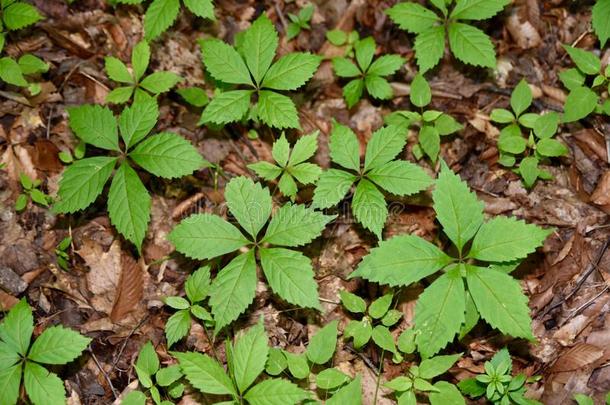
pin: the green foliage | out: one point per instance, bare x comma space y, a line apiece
417, 381
440, 310
158, 382
467, 43
380, 170
430, 124
497, 383
18, 14
299, 22
134, 81
195, 96
288, 272
537, 146
197, 288
599, 20
165, 155
31, 191
251, 64
17, 72
366, 73
344, 39
61, 253
56, 345
291, 165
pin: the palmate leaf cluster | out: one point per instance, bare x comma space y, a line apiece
250, 64
166, 155
291, 165
299, 22
134, 81
468, 44
288, 272
380, 170
24, 361
473, 284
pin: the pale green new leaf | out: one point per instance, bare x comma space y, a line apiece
322, 345
10, 379
140, 58
233, 289
421, 95
226, 107
266, 170
400, 178
384, 145
159, 16
277, 110
17, 327
259, 44
402, 261
8, 355
295, 225
95, 125
365, 50
201, 8
58, 345
471, 45
275, 392
429, 48
160, 82
31, 64
249, 356
291, 71
412, 17
477, 9
386, 65
290, 275
504, 239
345, 68
369, 207
119, 95
137, 120
249, 203
600, 20
20, 14
177, 326
205, 236
331, 188
205, 374
344, 147
304, 148
42, 386
378, 87
129, 205
82, 182
224, 63
198, 284
306, 173
11, 73
117, 70
281, 150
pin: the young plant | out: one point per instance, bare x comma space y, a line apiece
367, 74
497, 383
288, 272
299, 22
18, 356
417, 381
250, 64
431, 124
165, 155
291, 164
538, 145
79, 152
195, 96
468, 287
599, 20
134, 80
378, 313
246, 362
585, 95
155, 379
31, 192
380, 170
467, 43
197, 287
342, 38
61, 253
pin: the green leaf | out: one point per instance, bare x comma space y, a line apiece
445, 124
551, 148
177, 302
582, 399
502, 115
205, 374
159, 16
31, 64
168, 155
148, 361
406, 341
332, 187
471, 45
457, 208
369, 207
400, 178
380, 306
401, 383
579, 104
58, 345
304, 148
205, 236
291, 71
291, 276
586, 62
259, 44
10, 379
511, 140
42, 386
295, 225
402, 261
8, 355
119, 95
391, 317
177, 326
352, 302
275, 392
345, 68
224, 63
529, 170
201, 8
276, 362
322, 345
195, 96
297, 364
504, 239
477, 9
429, 48
439, 313
281, 150
160, 82
331, 378
521, 98
266, 170
344, 147
129, 205
19, 14
82, 182
500, 301
378, 87
447, 394
572, 78
277, 110
352, 92
600, 21
140, 58
350, 394
197, 285
226, 107
136, 121
250, 355
287, 185
168, 375
430, 368
384, 145
17, 327
336, 37
117, 70
546, 125
95, 125
360, 331
10, 72
249, 203
412, 17
384, 339
365, 50
233, 289
386, 65
421, 94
